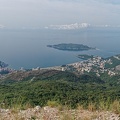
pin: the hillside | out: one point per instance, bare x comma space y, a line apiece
88, 87
3, 65
4, 68
66, 88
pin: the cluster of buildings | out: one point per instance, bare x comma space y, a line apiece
95, 64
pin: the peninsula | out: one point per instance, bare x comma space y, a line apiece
70, 47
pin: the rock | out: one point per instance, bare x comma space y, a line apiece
37, 108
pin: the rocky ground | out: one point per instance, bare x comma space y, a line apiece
49, 113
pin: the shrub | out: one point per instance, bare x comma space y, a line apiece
52, 103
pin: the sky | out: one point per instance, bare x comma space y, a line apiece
41, 13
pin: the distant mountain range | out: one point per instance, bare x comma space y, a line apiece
76, 26
69, 26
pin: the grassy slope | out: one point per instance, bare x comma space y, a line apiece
39, 87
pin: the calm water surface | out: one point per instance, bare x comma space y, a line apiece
27, 48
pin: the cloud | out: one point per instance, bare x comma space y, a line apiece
28, 13
115, 2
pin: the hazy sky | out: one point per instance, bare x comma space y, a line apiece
39, 13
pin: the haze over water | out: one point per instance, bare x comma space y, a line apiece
28, 48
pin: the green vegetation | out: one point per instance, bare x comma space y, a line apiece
4, 72
85, 57
3, 68
3, 65
50, 87
115, 61
70, 47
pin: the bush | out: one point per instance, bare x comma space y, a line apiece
52, 103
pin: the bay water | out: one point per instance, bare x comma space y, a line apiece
28, 48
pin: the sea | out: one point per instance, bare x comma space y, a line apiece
27, 48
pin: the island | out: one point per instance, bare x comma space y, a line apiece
70, 47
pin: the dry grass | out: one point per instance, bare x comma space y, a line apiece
63, 113
115, 107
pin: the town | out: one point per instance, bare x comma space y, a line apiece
96, 64
89, 64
